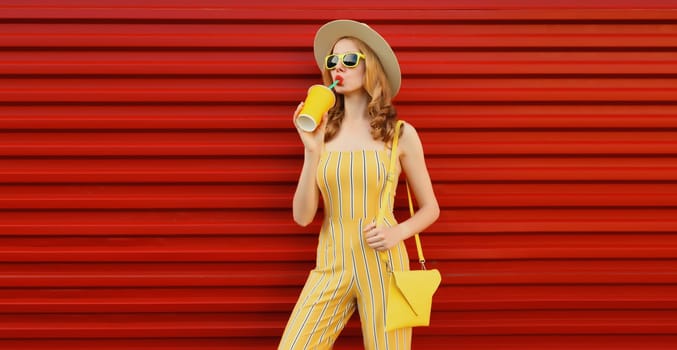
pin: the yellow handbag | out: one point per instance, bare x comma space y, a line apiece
410, 293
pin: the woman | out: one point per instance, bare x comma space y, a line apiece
346, 160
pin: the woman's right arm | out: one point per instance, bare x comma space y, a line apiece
307, 195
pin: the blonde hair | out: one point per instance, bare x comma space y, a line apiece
382, 113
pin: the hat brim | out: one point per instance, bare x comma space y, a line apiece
329, 33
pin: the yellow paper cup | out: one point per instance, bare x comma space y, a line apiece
319, 100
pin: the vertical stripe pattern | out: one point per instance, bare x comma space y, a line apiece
348, 274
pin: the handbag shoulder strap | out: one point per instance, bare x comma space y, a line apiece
419, 248
391, 183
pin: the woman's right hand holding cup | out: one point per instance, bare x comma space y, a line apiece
314, 140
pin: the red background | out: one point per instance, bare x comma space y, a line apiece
148, 161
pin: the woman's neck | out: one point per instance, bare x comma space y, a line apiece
355, 106
355, 130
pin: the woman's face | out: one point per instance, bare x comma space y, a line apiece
353, 78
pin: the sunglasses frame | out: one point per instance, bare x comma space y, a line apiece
341, 56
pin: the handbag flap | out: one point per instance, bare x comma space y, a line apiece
417, 287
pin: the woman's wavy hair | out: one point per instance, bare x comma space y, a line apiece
382, 113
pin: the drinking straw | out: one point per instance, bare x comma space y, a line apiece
335, 83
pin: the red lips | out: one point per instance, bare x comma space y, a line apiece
340, 79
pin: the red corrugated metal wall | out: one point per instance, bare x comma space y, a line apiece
148, 161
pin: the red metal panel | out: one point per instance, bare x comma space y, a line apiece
147, 166
239, 117
242, 63
430, 89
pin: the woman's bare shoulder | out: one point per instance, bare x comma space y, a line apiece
409, 139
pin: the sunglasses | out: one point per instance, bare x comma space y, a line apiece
348, 59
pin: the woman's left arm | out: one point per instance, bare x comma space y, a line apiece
413, 164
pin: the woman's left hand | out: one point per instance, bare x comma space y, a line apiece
382, 238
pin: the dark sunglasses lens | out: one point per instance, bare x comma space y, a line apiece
332, 61
350, 60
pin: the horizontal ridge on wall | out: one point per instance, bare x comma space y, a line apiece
303, 11
298, 36
241, 117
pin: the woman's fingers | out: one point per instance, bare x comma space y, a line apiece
296, 113
369, 227
298, 109
373, 235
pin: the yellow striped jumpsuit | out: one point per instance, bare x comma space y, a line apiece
348, 273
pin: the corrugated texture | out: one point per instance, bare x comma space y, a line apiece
147, 166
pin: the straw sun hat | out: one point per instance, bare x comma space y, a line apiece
329, 33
